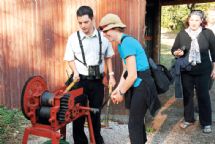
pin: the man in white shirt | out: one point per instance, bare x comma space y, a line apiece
87, 52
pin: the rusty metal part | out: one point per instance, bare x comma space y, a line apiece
33, 89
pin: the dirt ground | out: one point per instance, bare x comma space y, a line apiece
164, 127
166, 124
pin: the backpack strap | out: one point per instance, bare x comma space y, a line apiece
125, 36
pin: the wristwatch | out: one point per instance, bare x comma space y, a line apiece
111, 73
122, 94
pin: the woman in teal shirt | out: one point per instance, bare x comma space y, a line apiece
136, 85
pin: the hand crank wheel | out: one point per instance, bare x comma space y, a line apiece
34, 86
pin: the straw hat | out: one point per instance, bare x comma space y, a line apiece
110, 21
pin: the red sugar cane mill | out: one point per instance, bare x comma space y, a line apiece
50, 112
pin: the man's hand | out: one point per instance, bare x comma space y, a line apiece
112, 81
76, 76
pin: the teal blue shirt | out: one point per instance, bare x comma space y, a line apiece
132, 47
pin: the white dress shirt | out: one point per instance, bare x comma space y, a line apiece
91, 50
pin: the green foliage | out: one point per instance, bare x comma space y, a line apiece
174, 17
10, 125
150, 129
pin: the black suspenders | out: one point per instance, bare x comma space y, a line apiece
82, 50
100, 48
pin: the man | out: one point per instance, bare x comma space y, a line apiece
86, 52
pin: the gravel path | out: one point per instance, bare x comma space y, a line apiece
165, 127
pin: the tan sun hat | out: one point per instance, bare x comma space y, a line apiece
110, 21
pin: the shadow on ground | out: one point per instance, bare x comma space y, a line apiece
166, 123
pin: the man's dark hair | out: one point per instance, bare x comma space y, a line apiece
85, 10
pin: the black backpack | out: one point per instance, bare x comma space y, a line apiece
161, 75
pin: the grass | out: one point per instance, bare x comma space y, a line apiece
150, 129
11, 125
166, 56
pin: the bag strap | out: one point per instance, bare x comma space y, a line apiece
125, 36
145, 50
82, 50
167, 72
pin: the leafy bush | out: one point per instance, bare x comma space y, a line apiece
11, 122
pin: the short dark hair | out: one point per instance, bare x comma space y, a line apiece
85, 10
